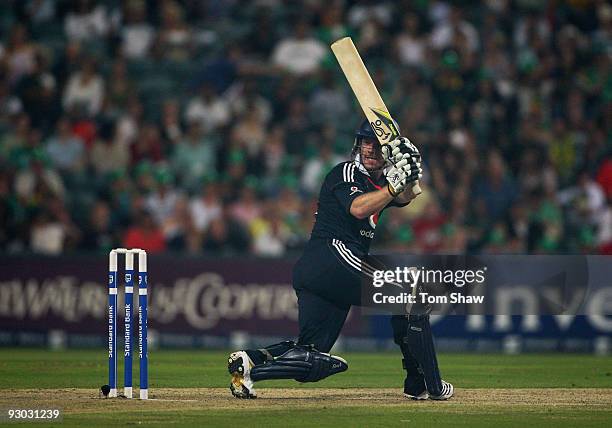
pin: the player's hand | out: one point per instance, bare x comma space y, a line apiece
396, 178
413, 170
399, 176
402, 148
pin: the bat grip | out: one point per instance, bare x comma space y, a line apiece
416, 189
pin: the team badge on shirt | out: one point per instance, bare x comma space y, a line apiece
355, 189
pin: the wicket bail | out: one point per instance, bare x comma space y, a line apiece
142, 317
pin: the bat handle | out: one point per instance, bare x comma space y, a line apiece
416, 189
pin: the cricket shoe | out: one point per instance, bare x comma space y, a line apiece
422, 396
415, 389
447, 392
239, 366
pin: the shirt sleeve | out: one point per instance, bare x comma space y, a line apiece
343, 185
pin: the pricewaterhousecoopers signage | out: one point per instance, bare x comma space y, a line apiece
219, 297
186, 295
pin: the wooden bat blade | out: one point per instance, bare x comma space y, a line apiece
365, 90
366, 93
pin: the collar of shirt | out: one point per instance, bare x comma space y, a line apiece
360, 166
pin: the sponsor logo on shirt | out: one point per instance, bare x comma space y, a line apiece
367, 233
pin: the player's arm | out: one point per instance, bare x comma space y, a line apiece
354, 197
369, 203
373, 202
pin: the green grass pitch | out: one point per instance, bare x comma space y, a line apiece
189, 388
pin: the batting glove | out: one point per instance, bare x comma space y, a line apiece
396, 178
413, 171
402, 148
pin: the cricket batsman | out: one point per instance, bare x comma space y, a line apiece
327, 277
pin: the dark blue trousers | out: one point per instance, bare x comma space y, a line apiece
326, 288
327, 284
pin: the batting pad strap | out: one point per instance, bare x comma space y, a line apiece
269, 357
302, 363
277, 349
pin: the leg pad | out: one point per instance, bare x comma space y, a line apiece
419, 343
302, 363
414, 384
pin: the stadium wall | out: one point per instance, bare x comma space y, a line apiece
235, 302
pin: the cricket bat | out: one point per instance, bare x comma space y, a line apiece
364, 89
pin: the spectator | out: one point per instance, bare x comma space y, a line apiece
37, 12
364, 11
410, 44
333, 26
604, 177
83, 126
317, 167
225, 237
137, 35
86, 21
586, 201
179, 229
249, 135
38, 182
20, 55
85, 90
300, 54
429, 228
10, 105
68, 63
171, 127
99, 235
270, 234
328, 104
175, 37
243, 97
148, 145
274, 151
108, 153
38, 94
247, 208
206, 207
261, 39
16, 139
162, 201
297, 126
47, 235
120, 88
496, 191
145, 233
210, 110
194, 158
129, 123
447, 31
65, 150
54, 231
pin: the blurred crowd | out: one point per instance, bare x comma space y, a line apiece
207, 126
